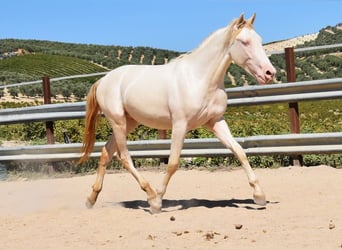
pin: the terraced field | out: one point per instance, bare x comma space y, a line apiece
34, 66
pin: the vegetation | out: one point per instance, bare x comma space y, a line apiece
316, 117
34, 66
56, 59
106, 56
327, 35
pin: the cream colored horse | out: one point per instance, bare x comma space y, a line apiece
182, 95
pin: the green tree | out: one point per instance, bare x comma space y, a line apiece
66, 92
79, 92
14, 92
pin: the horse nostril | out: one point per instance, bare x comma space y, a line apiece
269, 75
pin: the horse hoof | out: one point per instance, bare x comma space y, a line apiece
155, 210
89, 204
155, 205
260, 199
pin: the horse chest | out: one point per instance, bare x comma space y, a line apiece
211, 107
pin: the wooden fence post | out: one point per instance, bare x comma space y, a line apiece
47, 100
49, 124
293, 106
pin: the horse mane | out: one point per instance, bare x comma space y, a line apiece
229, 30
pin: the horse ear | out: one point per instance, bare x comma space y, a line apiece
241, 19
239, 22
252, 19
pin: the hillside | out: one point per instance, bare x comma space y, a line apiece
327, 35
34, 66
26, 60
107, 56
292, 42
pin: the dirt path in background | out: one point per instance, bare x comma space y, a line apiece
202, 210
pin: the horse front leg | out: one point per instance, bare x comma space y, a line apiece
106, 155
177, 141
221, 130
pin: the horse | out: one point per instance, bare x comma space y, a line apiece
182, 95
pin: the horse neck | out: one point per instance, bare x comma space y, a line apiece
211, 59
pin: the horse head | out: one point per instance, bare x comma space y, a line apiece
246, 50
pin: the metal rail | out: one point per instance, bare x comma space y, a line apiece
254, 145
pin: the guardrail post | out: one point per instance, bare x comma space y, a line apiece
47, 100
293, 106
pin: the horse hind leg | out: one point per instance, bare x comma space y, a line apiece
121, 127
152, 199
106, 155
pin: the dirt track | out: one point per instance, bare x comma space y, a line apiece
201, 211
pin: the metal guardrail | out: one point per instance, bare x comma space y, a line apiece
287, 144
250, 95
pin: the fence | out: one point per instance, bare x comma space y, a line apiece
239, 96
254, 145
262, 145
251, 95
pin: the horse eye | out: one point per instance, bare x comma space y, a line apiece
245, 42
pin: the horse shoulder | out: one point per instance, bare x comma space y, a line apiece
217, 104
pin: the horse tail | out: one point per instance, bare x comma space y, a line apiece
91, 120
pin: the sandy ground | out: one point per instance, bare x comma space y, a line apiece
201, 211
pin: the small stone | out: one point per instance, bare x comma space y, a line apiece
177, 233
238, 226
209, 236
172, 218
150, 237
331, 226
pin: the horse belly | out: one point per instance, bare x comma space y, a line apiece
148, 106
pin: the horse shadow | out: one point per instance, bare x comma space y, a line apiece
192, 203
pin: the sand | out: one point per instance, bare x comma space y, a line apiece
201, 210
